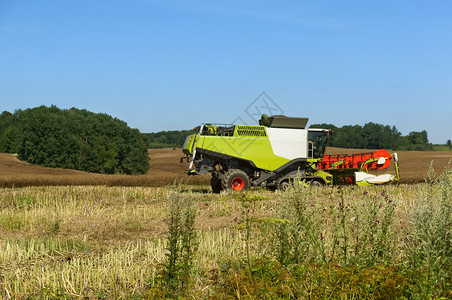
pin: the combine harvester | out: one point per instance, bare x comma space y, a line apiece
274, 153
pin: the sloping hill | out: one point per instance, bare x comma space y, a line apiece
165, 168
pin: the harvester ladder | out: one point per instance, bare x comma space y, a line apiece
196, 143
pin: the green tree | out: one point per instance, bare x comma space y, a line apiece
403, 143
167, 139
419, 140
78, 139
449, 144
9, 140
9, 133
375, 136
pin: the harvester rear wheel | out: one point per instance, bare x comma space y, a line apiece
316, 182
283, 183
215, 182
235, 180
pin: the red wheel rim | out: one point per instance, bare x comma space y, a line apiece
238, 183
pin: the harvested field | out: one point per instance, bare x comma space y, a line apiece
165, 168
99, 242
103, 242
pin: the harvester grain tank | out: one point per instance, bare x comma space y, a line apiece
276, 152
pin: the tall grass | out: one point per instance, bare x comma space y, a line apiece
429, 242
120, 242
182, 243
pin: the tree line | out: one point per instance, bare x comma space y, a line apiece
73, 139
167, 139
82, 140
369, 136
376, 136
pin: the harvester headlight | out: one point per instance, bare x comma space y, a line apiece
381, 160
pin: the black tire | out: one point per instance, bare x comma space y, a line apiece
215, 183
284, 185
316, 183
235, 180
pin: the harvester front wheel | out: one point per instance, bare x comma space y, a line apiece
235, 180
215, 182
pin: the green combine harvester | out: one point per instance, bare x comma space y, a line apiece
274, 153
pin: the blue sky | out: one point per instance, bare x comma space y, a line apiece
165, 65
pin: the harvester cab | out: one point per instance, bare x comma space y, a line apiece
274, 153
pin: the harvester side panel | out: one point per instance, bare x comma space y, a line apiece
255, 149
288, 143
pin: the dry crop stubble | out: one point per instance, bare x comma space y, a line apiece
89, 241
81, 239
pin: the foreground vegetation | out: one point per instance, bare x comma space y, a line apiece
184, 242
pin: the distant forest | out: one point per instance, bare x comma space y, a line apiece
73, 139
167, 139
369, 136
376, 136
82, 140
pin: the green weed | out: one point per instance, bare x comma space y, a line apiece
429, 240
271, 280
182, 245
